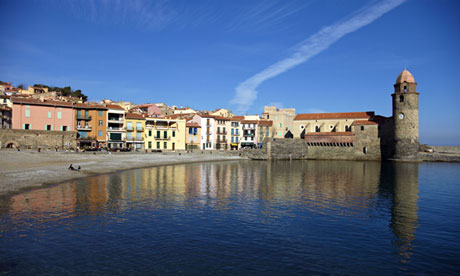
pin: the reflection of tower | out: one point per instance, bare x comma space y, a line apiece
404, 209
405, 115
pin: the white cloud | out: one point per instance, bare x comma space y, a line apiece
246, 93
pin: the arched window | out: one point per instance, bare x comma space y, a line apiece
405, 88
317, 129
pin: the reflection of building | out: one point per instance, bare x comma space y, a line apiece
404, 219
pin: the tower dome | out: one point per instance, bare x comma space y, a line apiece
405, 76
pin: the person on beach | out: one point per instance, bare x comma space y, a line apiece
70, 167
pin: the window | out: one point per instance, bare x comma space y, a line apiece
48, 127
129, 125
232, 139
27, 126
100, 112
99, 133
317, 129
190, 130
138, 126
281, 125
59, 115
100, 123
27, 113
138, 136
78, 113
365, 150
64, 128
362, 127
237, 132
165, 145
401, 98
86, 114
280, 133
173, 134
150, 144
158, 145
83, 134
129, 135
165, 134
236, 139
158, 134
150, 133
233, 130
405, 88
347, 129
49, 114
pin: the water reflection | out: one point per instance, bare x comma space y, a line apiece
269, 190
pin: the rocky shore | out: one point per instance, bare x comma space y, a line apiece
27, 169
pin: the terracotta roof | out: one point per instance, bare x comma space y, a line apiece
134, 116
249, 121
221, 118
207, 116
5, 108
345, 115
329, 134
237, 118
89, 106
265, 123
114, 106
192, 125
39, 102
364, 122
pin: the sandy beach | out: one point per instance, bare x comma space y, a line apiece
28, 169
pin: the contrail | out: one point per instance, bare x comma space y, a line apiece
246, 92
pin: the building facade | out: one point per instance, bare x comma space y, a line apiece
282, 119
192, 136
164, 134
91, 125
116, 133
135, 126
38, 114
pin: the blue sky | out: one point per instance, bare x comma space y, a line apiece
197, 54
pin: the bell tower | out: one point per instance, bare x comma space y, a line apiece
405, 116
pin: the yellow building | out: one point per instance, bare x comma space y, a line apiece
282, 120
135, 125
164, 134
192, 136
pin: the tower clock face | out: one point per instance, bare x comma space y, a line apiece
401, 116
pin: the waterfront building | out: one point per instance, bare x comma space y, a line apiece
38, 114
163, 134
184, 110
222, 124
91, 125
249, 133
116, 133
207, 132
192, 136
282, 119
327, 122
135, 125
235, 132
265, 129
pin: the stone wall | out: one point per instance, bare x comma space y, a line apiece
34, 139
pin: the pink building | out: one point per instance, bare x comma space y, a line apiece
151, 109
39, 114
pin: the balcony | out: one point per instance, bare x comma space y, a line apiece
134, 140
249, 134
163, 138
115, 129
81, 117
88, 128
129, 129
115, 120
222, 141
138, 129
249, 127
223, 132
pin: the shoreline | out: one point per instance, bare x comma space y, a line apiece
24, 170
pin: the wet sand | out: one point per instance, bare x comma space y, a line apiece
28, 169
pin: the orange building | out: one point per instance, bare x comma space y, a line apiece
91, 124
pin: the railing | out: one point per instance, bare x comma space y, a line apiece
221, 132
129, 129
134, 140
84, 127
222, 141
117, 120
80, 117
163, 138
249, 134
139, 129
249, 127
115, 128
